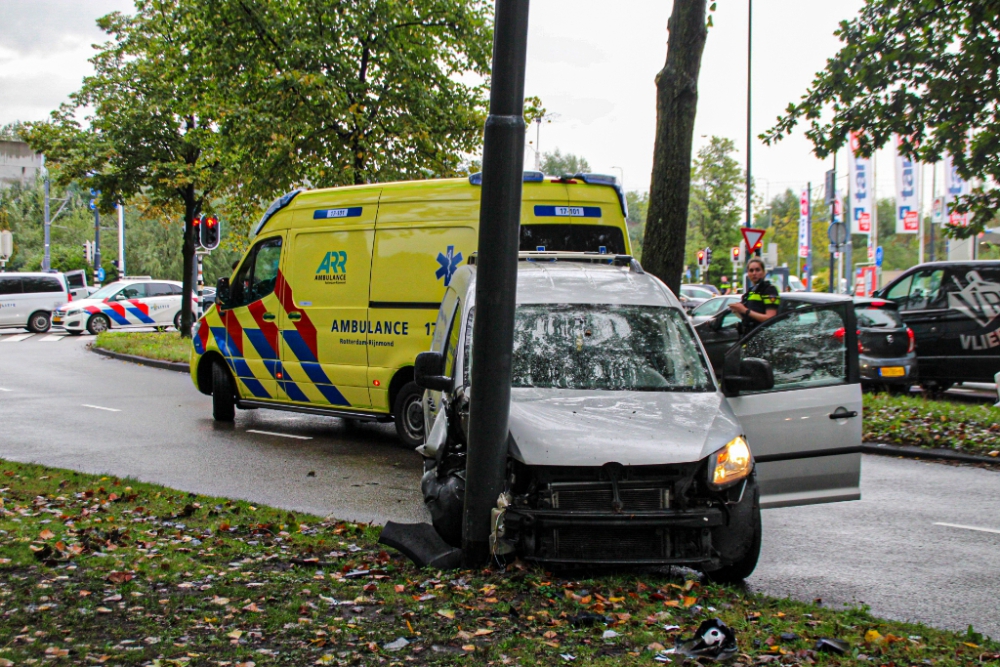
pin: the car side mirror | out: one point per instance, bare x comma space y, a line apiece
222, 292
428, 372
754, 375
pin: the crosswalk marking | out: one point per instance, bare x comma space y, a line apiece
17, 338
51, 337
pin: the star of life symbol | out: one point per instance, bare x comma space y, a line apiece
979, 299
449, 264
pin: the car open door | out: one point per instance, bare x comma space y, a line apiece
805, 431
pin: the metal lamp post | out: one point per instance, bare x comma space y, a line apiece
496, 282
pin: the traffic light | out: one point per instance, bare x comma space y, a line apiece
701, 258
88, 251
210, 232
736, 254
758, 245
196, 223
708, 255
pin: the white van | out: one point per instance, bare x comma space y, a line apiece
625, 448
27, 300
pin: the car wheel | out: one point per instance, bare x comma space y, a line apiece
223, 394
39, 322
177, 320
98, 324
739, 570
936, 387
898, 389
408, 413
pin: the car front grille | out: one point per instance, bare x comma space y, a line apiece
600, 498
609, 544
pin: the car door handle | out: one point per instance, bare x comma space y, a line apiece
295, 316
842, 413
267, 317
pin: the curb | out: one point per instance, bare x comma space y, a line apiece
178, 366
921, 453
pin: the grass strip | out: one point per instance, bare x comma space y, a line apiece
932, 424
97, 570
165, 346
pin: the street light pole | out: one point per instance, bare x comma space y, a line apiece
47, 257
496, 280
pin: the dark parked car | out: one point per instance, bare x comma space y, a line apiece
885, 345
709, 309
693, 296
953, 309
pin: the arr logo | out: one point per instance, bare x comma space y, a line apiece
333, 268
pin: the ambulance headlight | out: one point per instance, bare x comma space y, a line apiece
730, 464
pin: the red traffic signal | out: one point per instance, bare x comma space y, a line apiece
736, 254
210, 228
701, 256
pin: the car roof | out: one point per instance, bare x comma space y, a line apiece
567, 281
814, 297
875, 301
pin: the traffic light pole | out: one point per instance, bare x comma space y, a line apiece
200, 256
496, 280
97, 243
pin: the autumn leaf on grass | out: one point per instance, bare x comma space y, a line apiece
235, 634
220, 601
46, 534
120, 577
447, 613
252, 607
689, 601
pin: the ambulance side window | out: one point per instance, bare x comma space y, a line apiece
258, 274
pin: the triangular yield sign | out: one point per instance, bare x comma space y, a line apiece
752, 237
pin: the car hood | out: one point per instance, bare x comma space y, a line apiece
568, 427
77, 304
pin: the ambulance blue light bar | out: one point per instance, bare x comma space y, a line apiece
278, 204
529, 177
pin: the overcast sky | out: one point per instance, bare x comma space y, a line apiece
592, 62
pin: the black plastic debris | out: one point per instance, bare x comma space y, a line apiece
420, 543
587, 619
827, 645
788, 636
713, 640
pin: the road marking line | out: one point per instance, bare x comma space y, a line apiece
2, 389
51, 337
280, 435
981, 530
17, 338
98, 407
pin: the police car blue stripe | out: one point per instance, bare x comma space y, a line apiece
259, 342
326, 213
143, 317
568, 211
298, 345
332, 394
115, 316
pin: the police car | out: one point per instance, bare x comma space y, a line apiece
625, 447
121, 305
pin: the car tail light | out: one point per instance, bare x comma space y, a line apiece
841, 332
878, 304
70, 295
913, 340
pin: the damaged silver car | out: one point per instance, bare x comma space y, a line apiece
625, 448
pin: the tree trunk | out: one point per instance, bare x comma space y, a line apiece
190, 210
676, 105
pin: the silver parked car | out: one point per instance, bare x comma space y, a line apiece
625, 448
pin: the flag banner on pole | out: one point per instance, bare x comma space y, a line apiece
907, 193
954, 186
804, 224
861, 195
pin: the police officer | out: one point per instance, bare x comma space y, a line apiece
760, 302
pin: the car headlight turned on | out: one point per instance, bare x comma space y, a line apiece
730, 464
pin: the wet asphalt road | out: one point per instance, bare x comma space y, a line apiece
886, 550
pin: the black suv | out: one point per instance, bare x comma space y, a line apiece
885, 346
953, 309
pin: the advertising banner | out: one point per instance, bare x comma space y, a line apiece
862, 197
954, 187
907, 193
804, 224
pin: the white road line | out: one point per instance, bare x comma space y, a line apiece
98, 407
280, 435
2, 389
17, 338
51, 337
981, 530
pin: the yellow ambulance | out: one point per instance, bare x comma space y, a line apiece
340, 289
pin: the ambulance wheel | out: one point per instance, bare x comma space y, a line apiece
223, 394
409, 414
98, 324
39, 322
